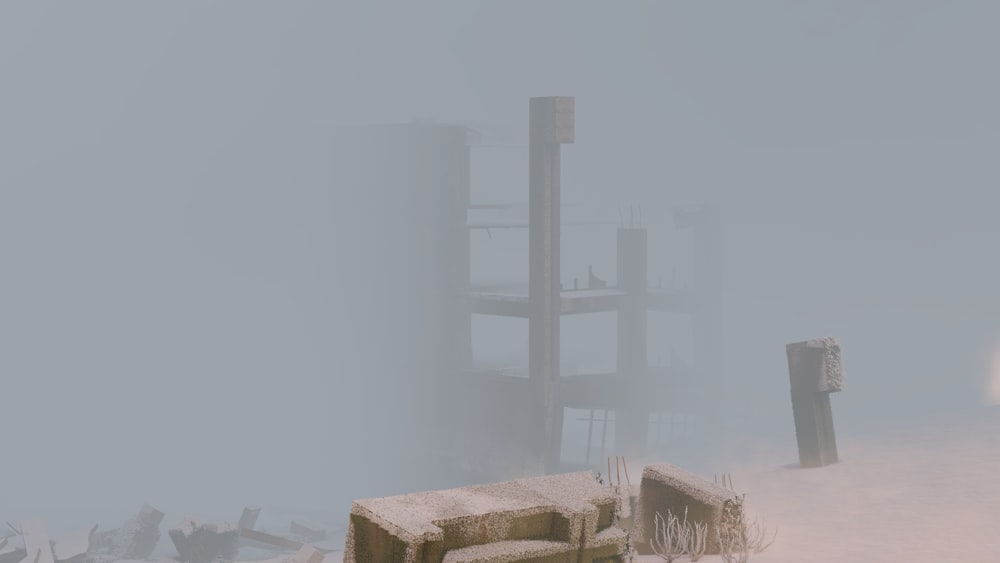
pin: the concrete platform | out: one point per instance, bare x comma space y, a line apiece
546, 519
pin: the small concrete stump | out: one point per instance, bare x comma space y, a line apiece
203, 543
814, 370
667, 487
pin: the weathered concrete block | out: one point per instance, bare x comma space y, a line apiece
136, 539
36, 542
815, 370
828, 376
542, 551
568, 514
249, 517
667, 487
10, 553
202, 543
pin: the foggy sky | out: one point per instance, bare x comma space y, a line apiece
174, 324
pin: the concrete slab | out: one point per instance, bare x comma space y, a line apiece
567, 510
36, 543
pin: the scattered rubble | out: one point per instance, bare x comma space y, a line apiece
195, 542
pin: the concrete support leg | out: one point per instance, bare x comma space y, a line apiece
632, 422
550, 124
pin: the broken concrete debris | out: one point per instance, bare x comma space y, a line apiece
203, 543
667, 487
10, 553
195, 542
555, 517
36, 542
136, 539
75, 547
249, 518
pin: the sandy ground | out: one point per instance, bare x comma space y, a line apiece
926, 494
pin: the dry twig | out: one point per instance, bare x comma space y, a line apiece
670, 538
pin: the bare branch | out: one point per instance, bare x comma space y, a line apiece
696, 540
670, 539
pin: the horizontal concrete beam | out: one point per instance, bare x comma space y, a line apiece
582, 301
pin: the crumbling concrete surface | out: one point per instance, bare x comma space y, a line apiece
203, 543
249, 517
136, 539
10, 553
667, 487
36, 542
553, 518
815, 370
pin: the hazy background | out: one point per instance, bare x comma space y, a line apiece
179, 303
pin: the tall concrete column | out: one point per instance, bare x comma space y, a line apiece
632, 423
706, 226
551, 124
449, 352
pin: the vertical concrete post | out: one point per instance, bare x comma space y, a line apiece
551, 123
632, 421
705, 223
814, 371
449, 324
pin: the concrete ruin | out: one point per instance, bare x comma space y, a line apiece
195, 542
135, 539
567, 517
667, 487
202, 543
815, 370
428, 190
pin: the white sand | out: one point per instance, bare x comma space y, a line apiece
929, 494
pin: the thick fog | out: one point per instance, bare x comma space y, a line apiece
196, 315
